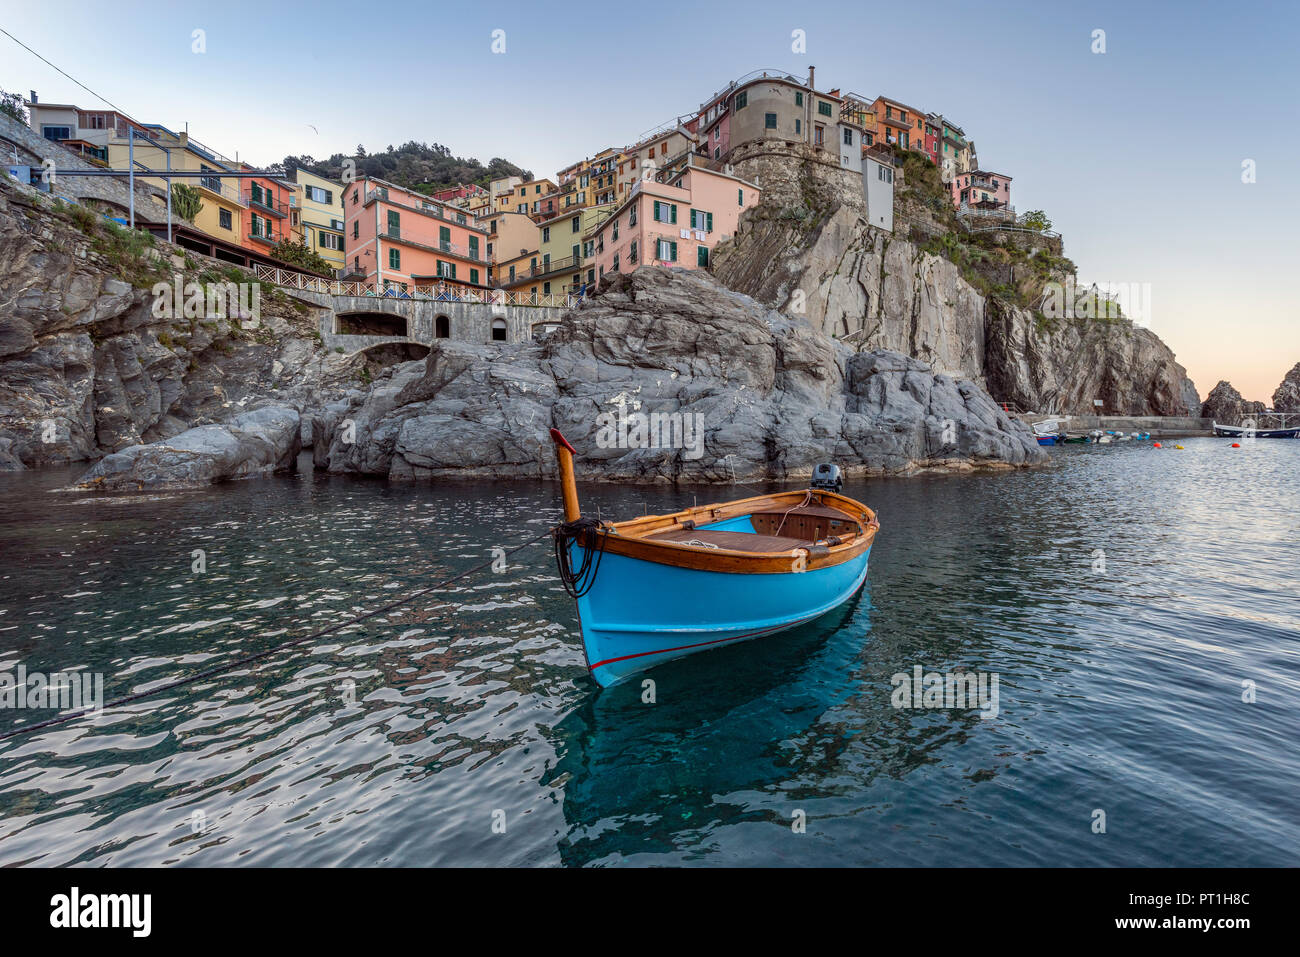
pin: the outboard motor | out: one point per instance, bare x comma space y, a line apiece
827, 477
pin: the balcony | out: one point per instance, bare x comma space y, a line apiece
263, 235
394, 233
544, 268
257, 200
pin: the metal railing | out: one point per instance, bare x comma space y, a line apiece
425, 292
259, 201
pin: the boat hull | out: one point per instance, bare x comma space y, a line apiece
1237, 432
639, 614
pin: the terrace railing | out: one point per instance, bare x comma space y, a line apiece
435, 292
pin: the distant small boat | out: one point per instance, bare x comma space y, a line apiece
1238, 432
659, 587
1046, 439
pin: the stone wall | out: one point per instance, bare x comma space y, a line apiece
468, 321
796, 174
33, 149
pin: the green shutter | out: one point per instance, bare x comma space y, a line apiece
673, 257
701, 256
740, 197
656, 210
444, 234
708, 219
473, 276
453, 270
673, 210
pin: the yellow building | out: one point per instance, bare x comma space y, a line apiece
223, 209
320, 206
565, 254
510, 236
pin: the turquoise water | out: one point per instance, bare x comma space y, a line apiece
419, 738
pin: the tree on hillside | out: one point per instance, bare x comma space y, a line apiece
427, 167
11, 104
1035, 219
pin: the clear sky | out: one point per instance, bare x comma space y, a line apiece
1135, 154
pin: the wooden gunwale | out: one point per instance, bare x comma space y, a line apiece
628, 538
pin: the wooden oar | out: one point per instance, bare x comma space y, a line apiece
565, 452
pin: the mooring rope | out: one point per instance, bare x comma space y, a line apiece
587, 534
248, 659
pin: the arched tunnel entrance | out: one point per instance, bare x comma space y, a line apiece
371, 324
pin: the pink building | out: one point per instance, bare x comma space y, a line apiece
676, 222
981, 189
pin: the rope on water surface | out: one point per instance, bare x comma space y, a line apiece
249, 659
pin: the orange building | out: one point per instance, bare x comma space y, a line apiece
273, 215
402, 240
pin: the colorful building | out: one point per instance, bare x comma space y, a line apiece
530, 197
674, 222
320, 204
509, 237
501, 192
899, 124
272, 214
651, 153
400, 239
984, 190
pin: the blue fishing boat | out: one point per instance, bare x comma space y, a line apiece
660, 587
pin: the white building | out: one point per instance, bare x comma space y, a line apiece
878, 187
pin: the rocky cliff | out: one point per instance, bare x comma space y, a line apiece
958, 304
1286, 398
1225, 404
667, 376
88, 368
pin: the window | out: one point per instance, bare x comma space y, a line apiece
848, 136
717, 153
798, 126
473, 276
394, 259
702, 257
546, 234
769, 121
56, 133
717, 133
667, 251
824, 108
512, 273
394, 223
740, 197
701, 220
576, 222
546, 288
665, 212
615, 229
473, 247
446, 270
330, 241
224, 219
591, 275
631, 256
742, 100
537, 189
631, 216
444, 238
615, 262
356, 228
574, 251
355, 194
798, 98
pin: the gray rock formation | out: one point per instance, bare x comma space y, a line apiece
879, 291
667, 376
258, 441
1286, 398
1225, 404
85, 366
1063, 366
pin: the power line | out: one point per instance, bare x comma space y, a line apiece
64, 72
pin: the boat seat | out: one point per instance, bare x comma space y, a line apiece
737, 541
